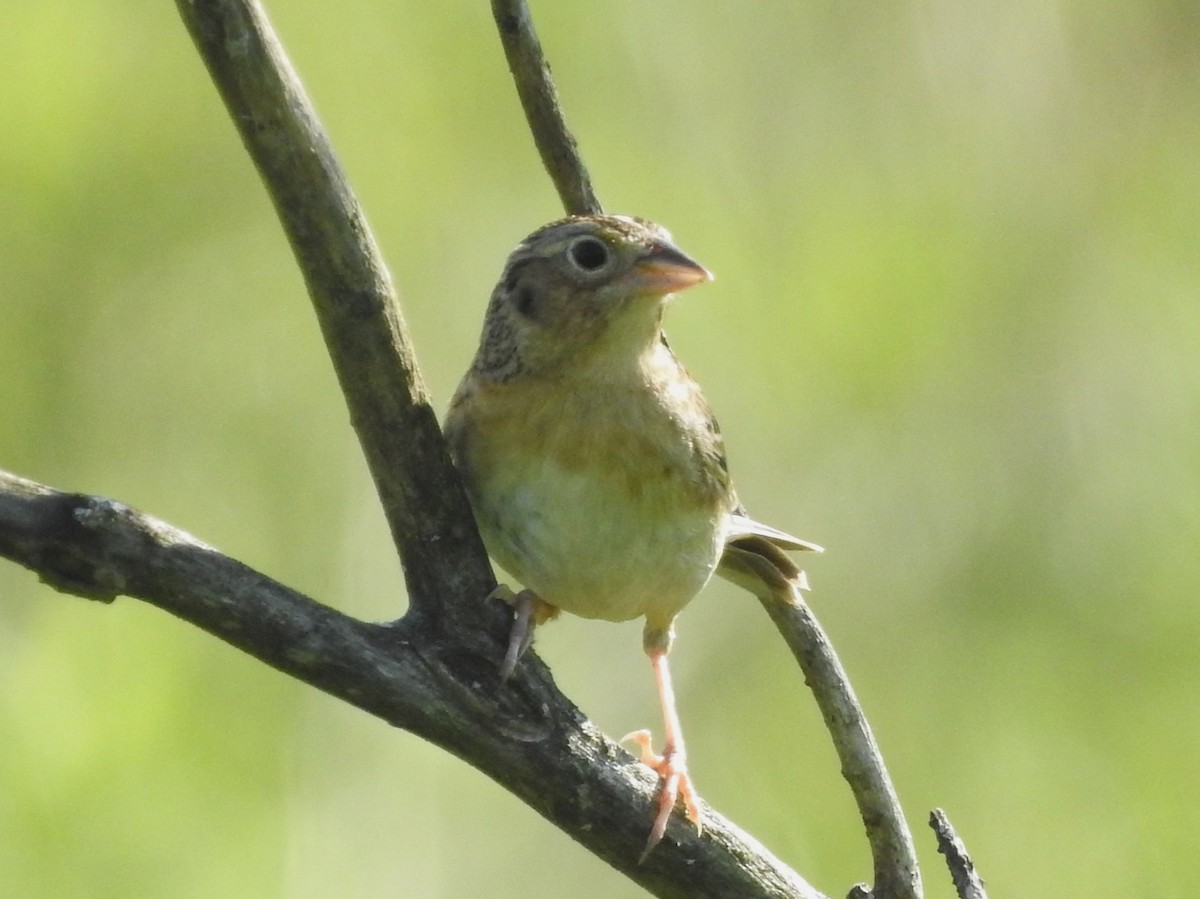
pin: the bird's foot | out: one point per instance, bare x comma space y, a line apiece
674, 784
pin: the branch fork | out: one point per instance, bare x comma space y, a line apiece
436, 671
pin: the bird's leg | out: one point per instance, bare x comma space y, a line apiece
674, 781
529, 610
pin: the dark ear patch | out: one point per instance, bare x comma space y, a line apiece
524, 298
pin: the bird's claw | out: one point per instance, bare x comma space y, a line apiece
502, 592
529, 610
520, 637
674, 784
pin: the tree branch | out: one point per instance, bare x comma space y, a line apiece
441, 686
445, 565
967, 882
433, 673
539, 99
755, 565
758, 566
751, 566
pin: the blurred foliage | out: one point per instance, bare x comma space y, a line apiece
955, 337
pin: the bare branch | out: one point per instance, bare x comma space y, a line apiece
527, 737
352, 294
535, 87
753, 564
433, 673
967, 882
758, 566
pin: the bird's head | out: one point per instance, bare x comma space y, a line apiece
588, 289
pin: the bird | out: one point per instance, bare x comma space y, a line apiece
592, 461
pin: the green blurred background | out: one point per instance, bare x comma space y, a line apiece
955, 337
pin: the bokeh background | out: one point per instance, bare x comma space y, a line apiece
954, 337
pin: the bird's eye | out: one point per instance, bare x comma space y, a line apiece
588, 254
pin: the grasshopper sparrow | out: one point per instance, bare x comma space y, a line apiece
592, 461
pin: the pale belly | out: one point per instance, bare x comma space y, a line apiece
600, 546
608, 499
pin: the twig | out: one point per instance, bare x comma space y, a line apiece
527, 737
766, 571
531, 73
967, 882
895, 867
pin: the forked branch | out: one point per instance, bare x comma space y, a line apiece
755, 565
439, 684
433, 673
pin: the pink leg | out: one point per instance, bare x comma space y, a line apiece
675, 783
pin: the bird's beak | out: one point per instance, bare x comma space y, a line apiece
666, 269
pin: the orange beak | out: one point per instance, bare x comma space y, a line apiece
666, 269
